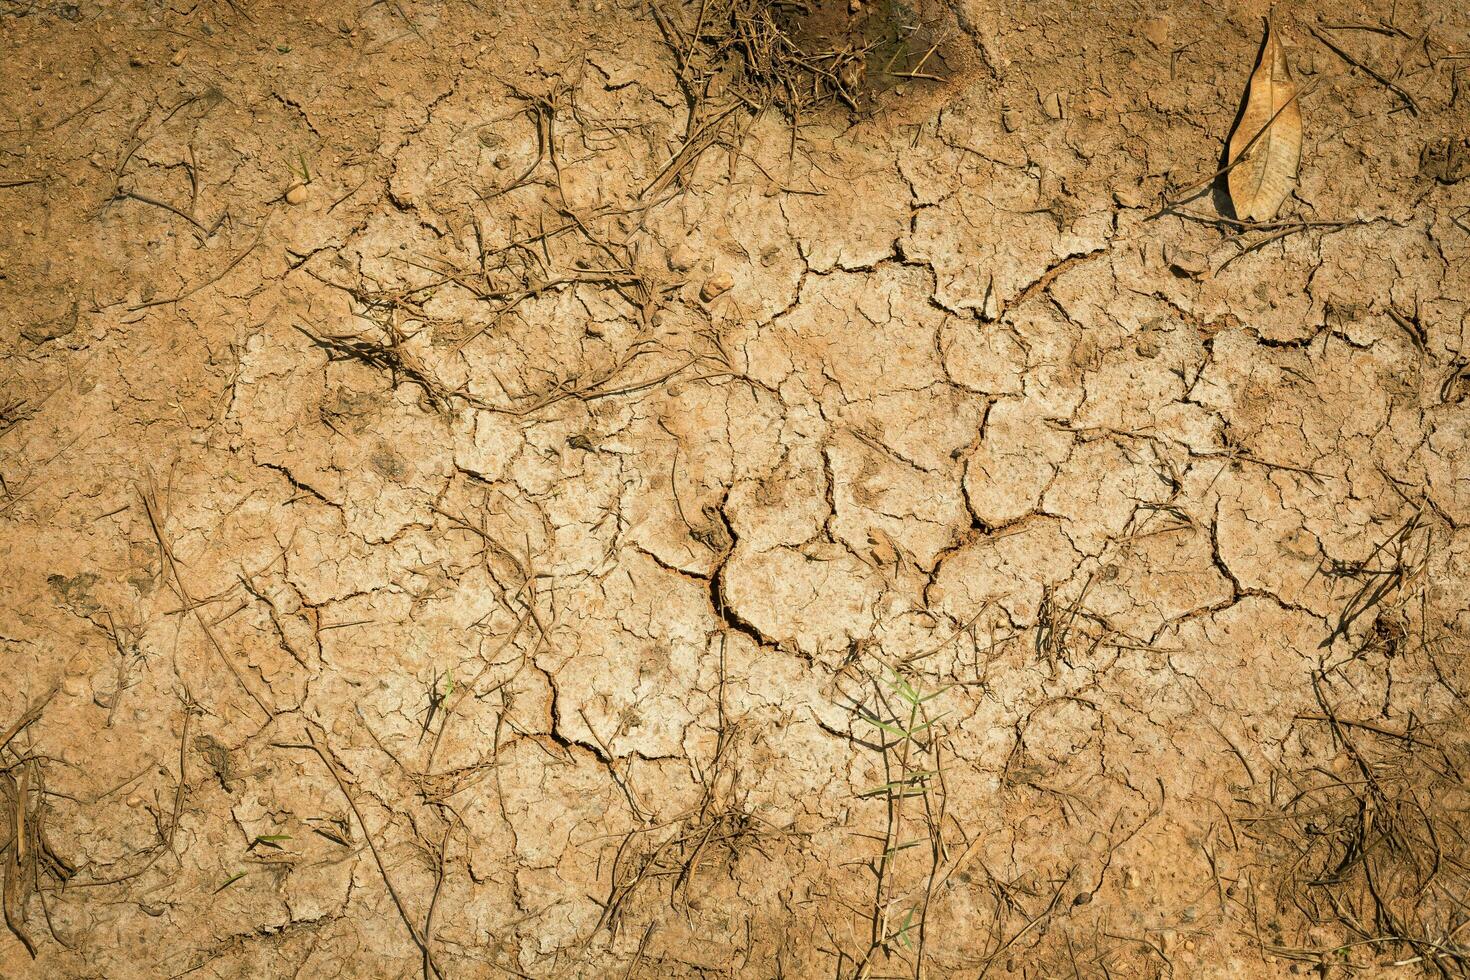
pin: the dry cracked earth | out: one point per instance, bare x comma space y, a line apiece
491, 490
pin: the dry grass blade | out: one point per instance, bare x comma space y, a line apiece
27, 718
1383, 576
1266, 147
18, 870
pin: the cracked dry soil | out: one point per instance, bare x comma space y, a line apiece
483, 496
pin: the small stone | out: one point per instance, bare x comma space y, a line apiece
1052, 106
1186, 262
1010, 120
61, 326
1156, 29
1128, 197
1446, 159
135, 801
682, 257
297, 194
178, 58
716, 285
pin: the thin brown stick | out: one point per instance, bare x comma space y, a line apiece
28, 717
434, 898
170, 565
1365, 726
1386, 82
259, 236
123, 195
1281, 233
313, 745
688, 153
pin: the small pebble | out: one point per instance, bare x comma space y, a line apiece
716, 285
1128, 197
1187, 262
1052, 106
296, 195
682, 258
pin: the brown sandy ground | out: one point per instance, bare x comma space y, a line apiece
505, 489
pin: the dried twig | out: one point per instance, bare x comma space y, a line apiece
314, 745
1388, 83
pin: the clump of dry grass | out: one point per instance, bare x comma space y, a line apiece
1373, 844
714, 834
1368, 836
12, 413
26, 854
764, 53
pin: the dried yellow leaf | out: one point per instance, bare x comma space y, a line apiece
1266, 146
